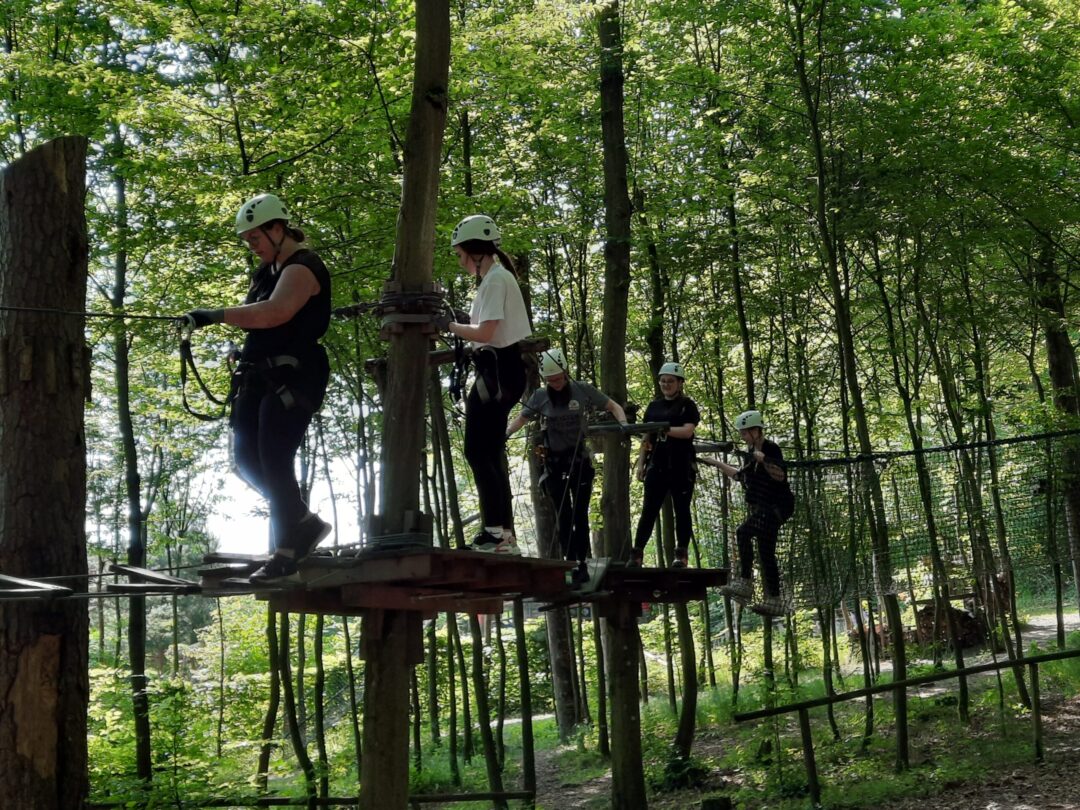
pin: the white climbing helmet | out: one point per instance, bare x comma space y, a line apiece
749, 419
674, 369
553, 363
259, 210
478, 226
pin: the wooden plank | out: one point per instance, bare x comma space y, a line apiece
32, 586
136, 574
152, 588
420, 599
331, 572
230, 557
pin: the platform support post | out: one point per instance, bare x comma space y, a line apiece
384, 778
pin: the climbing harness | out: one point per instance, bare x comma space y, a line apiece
459, 372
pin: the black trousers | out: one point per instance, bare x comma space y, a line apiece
485, 435
763, 525
266, 435
570, 485
659, 483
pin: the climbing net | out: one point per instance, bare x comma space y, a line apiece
981, 509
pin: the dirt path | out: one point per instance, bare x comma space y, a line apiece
1053, 785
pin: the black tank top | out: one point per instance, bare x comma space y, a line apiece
299, 335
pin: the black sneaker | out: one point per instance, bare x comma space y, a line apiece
637, 558
485, 541
580, 575
309, 532
278, 569
681, 559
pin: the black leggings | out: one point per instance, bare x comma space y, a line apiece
658, 484
763, 523
266, 436
570, 489
485, 438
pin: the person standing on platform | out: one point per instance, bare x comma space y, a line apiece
770, 503
563, 406
667, 465
281, 378
498, 321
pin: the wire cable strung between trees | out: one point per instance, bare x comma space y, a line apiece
76, 313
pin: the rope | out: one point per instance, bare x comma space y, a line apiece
81, 314
187, 361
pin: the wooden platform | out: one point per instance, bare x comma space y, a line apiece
424, 580
615, 583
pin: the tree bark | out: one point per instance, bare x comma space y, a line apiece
621, 642
44, 646
388, 635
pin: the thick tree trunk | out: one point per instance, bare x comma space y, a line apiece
390, 635
1065, 382
44, 688
621, 642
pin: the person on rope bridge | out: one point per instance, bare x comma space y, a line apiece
770, 503
281, 378
498, 321
666, 463
563, 406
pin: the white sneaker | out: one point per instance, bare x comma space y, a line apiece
739, 589
507, 545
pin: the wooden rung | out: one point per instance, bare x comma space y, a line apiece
152, 588
136, 574
31, 586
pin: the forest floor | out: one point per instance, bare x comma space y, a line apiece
1052, 785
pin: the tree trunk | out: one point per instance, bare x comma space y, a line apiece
1065, 382
389, 635
44, 646
621, 642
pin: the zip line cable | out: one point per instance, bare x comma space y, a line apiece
128, 316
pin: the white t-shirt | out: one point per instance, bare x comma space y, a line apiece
499, 298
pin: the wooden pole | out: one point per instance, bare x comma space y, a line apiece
393, 639
44, 646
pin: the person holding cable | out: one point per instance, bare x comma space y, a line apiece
667, 464
771, 503
498, 321
281, 378
563, 406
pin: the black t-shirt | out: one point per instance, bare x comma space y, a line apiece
299, 335
761, 488
669, 452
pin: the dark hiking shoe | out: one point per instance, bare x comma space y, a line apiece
637, 558
682, 559
580, 575
308, 533
278, 569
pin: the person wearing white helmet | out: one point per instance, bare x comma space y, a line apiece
498, 322
770, 503
282, 375
563, 406
666, 464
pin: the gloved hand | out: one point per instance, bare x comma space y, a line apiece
442, 320
198, 318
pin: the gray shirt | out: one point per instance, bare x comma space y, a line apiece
565, 423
